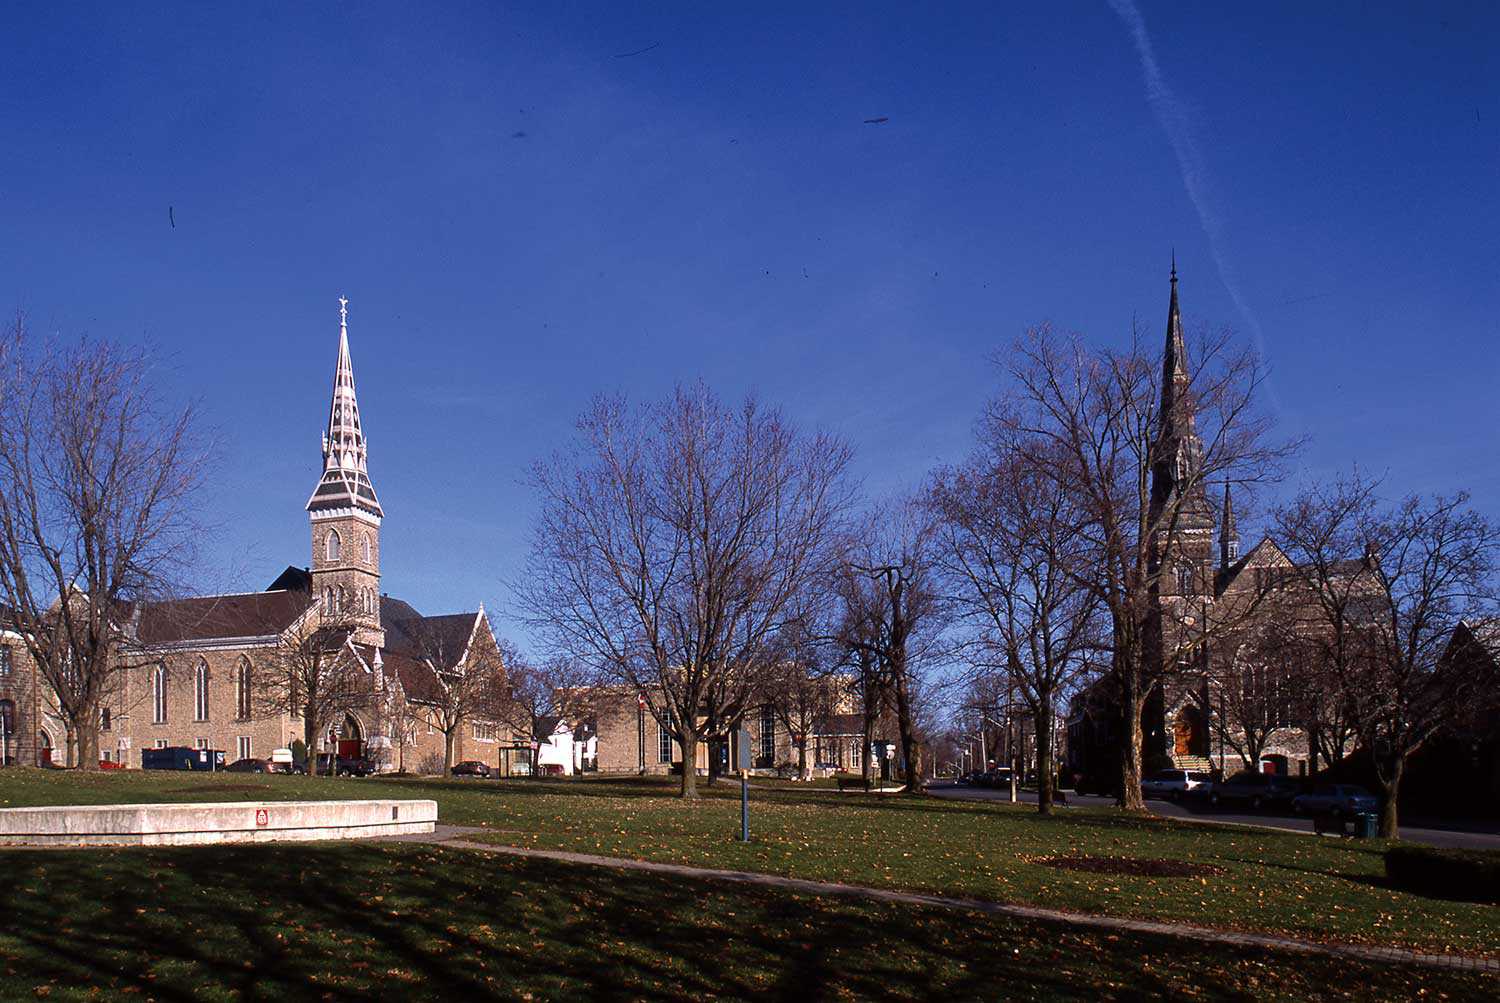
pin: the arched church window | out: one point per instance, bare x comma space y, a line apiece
242, 690
367, 548
200, 691
159, 694
335, 545
328, 599
343, 599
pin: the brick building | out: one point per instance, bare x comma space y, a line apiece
195, 664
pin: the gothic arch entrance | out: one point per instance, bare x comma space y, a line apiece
351, 737
1189, 733
44, 748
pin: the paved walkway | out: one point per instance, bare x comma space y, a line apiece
460, 837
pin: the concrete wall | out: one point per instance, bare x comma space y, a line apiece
232, 822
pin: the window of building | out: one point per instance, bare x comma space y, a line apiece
367, 549
161, 743
200, 691
335, 545
242, 747
484, 731
200, 743
5, 663
768, 735
664, 738
159, 695
328, 600
1184, 580
242, 683
103, 718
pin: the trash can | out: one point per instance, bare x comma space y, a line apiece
1366, 825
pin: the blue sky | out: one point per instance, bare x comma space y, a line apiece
522, 214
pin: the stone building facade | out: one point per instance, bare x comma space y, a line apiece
196, 667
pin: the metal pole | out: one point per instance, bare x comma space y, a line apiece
744, 808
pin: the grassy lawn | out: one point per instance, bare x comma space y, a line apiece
1261, 880
417, 922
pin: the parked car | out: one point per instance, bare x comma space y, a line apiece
471, 768
1257, 790
1172, 784
1335, 799
250, 766
180, 757
344, 766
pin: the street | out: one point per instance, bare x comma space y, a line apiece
1459, 835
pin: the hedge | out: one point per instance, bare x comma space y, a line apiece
1472, 875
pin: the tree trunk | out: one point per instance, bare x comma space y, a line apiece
802, 771
689, 740
1133, 704
1046, 780
310, 740
908, 740
86, 737
450, 736
865, 758
1391, 789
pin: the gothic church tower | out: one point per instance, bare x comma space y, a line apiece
345, 514
1180, 515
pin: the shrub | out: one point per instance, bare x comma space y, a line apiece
1472, 875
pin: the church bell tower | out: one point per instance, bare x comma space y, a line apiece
345, 514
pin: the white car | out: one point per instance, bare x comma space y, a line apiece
1343, 799
1172, 784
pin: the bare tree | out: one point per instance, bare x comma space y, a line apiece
97, 478
312, 674
673, 544
803, 697
1014, 562
894, 618
1261, 689
559, 688
1135, 456
1392, 584
466, 681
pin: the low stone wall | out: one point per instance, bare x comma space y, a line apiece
218, 822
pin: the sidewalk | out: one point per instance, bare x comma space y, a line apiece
459, 837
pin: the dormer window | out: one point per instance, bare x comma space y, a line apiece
335, 545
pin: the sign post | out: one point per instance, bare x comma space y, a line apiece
742, 763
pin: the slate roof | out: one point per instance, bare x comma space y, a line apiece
203, 618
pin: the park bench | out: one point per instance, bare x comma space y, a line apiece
846, 782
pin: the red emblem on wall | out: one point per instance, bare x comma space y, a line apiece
262, 817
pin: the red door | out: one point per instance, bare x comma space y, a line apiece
350, 748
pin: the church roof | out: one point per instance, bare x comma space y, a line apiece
203, 618
346, 479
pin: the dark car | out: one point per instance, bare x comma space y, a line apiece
471, 768
250, 766
344, 766
1257, 790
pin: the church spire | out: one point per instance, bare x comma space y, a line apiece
1174, 375
1229, 537
346, 481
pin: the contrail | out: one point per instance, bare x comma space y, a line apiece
1177, 123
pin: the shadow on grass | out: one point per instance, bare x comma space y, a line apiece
344, 922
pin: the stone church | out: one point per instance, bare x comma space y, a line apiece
195, 664
1225, 685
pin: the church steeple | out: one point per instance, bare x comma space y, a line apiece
345, 514
1229, 537
1178, 460
346, 480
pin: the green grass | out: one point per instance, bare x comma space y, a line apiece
1272, 882
409, 921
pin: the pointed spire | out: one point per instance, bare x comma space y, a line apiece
1229, 537
345, 482
1174, 377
